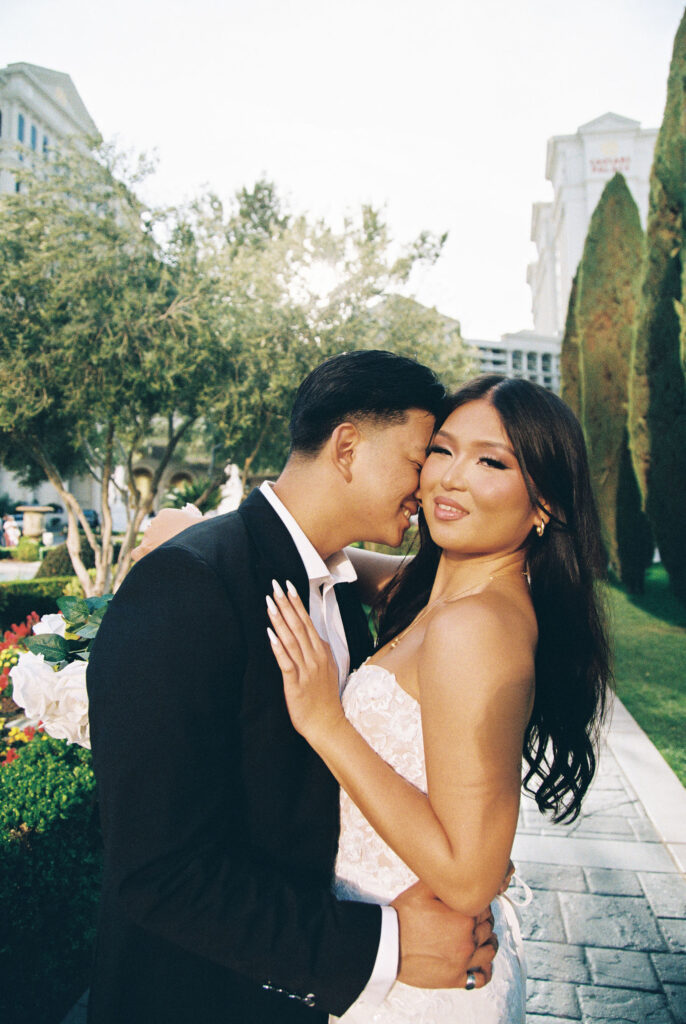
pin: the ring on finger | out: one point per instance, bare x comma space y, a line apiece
471, 980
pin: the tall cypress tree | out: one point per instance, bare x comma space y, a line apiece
657, 421
569, 355
606, 308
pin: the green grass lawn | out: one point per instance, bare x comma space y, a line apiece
650, 664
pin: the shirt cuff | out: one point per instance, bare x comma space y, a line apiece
386, 965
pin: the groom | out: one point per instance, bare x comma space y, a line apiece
220, 823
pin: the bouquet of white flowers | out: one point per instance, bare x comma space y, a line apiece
49, 679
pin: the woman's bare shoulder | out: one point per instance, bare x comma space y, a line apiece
493, 634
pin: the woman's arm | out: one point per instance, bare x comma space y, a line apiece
474, 712
374, 570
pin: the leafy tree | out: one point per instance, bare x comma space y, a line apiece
297, 293
96, 340
604, 314
658, 394
122, 327
569, 355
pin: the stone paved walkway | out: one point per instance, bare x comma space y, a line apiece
606, 932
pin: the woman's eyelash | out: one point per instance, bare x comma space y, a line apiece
436, 449
494, 463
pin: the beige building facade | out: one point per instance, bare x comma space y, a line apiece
578, 167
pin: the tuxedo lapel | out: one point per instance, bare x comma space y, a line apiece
278, 559
277, 555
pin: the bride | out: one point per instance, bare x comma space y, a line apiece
491, 648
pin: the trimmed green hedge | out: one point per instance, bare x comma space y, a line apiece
50, 866
58, 563
18, 598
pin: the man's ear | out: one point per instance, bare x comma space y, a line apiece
342, 448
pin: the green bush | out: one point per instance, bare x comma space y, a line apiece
27, 550
18, 598
58, 563
50, 865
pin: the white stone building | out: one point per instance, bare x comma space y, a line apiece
579, 166
522, 354
38, 108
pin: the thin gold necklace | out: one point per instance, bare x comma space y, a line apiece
445, 600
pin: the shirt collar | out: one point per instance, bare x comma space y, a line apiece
337, 568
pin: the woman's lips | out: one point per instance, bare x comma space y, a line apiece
446, 509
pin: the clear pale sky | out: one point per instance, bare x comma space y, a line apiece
438, 111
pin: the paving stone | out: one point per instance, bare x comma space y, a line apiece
675, 934
622, 1006
619, 968
676, 997
545, 1018
552, 997
666, 893
606, 825
670, 967
610, 882
556, 961
611, 782
554, 877
645, 832
616, 801
612, 922
541, 920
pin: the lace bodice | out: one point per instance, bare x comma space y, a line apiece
390, 721
368, 870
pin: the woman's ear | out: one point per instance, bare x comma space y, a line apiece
342, 448
542, 516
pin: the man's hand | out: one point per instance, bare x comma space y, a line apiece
438, 945
166, 524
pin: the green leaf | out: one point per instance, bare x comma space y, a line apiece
74, 609
88, 631
53, 647
99, 604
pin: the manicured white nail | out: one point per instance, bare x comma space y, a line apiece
277, 589
291, 589
273, 639
271, 606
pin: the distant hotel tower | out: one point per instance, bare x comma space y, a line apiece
579, 166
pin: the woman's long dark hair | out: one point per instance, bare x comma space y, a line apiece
573, 669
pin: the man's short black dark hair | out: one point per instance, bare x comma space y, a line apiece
367, 384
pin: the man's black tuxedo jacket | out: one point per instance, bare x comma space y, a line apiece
220, 823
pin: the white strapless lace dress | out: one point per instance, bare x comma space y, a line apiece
368, 870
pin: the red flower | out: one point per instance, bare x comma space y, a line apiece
10, 755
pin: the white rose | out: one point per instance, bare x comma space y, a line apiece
58, 699
32, 684
50, 624
68, 716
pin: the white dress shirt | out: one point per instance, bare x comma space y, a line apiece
326, 618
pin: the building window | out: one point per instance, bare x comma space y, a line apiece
516, 360
20, 127
45, 145
34, 138
546, 360
17, 186
531, 362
